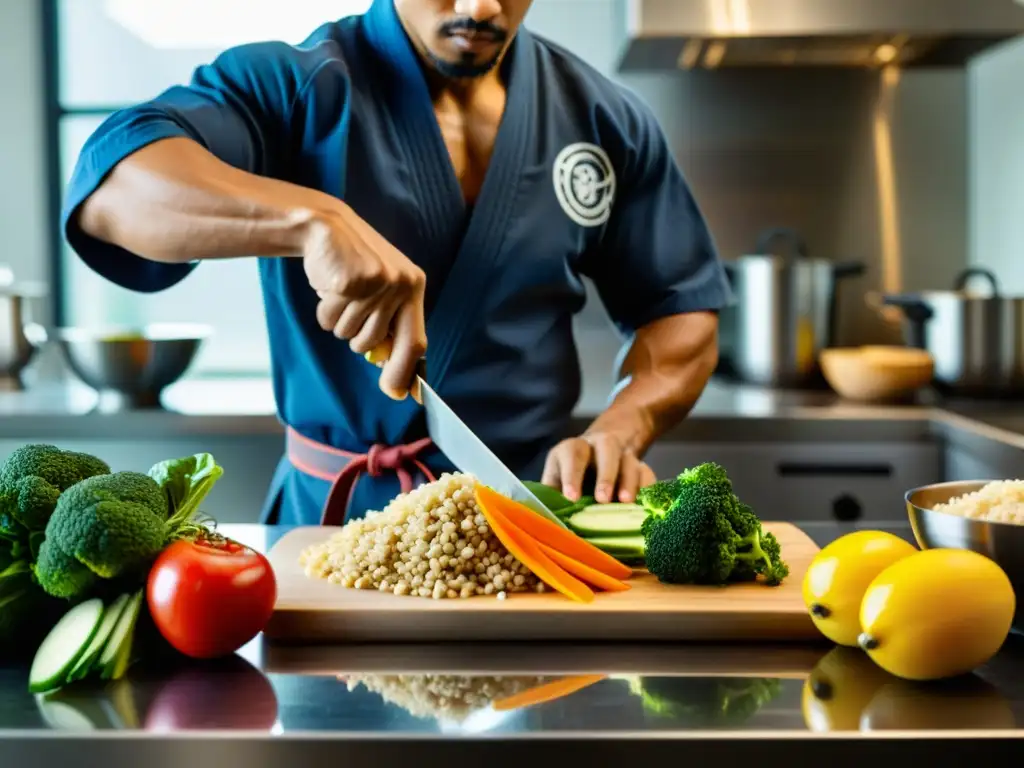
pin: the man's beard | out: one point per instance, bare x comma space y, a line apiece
465, 69
468, 66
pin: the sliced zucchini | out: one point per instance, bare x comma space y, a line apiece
64, 645
625, 548
87, 660
608, 520
113, 661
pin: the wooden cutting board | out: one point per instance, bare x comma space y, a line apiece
312, 610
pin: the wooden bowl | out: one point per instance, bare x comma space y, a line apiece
877, 373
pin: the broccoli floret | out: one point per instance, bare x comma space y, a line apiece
60, 574
32, 479
768, 562
106, 526
706, 475
705, 701
757, 552
704, 534
658, 497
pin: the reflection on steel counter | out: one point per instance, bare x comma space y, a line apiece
224, 695
846, 691
840, 690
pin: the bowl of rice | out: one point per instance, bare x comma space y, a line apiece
984, 516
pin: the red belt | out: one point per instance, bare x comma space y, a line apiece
342, 469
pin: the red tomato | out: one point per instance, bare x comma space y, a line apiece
210, 597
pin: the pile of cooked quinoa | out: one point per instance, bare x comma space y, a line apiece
430, 542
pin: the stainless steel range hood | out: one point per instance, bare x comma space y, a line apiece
709, 34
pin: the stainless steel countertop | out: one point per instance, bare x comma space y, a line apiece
275, 705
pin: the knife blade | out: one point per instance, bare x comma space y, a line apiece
464, 449
471, 455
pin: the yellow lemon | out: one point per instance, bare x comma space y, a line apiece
839, 688
936, 614
966, 703
839, 575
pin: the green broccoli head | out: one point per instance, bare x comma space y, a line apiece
708, 475
32, 479
106, 526
658, 497
60, 574
693, 544
707, 536
705, 701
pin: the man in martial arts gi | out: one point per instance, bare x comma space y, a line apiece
429, 171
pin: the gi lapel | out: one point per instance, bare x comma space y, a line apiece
438, 188
409, 104
484, 241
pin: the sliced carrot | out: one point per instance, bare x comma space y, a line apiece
542, 694
584, 573
529, 554
552, 534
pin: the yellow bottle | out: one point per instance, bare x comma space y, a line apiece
839, 575
936, 614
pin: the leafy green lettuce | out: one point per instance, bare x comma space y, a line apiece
187, 481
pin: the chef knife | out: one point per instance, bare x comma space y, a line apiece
461, 445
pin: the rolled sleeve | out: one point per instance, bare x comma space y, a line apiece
236, 107
121, 135
657, 256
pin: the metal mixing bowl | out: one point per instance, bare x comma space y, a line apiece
130, 367
1001, 542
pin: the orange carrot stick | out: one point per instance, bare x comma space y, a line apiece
585, 573
543, 530
529, 554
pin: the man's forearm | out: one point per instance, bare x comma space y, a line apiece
174, 201
664, 373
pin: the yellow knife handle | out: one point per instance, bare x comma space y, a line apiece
380, 354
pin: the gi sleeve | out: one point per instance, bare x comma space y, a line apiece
237, 107
656, 257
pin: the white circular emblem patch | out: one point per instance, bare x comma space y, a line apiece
585, 184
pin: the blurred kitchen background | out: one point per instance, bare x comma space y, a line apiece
901, 154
